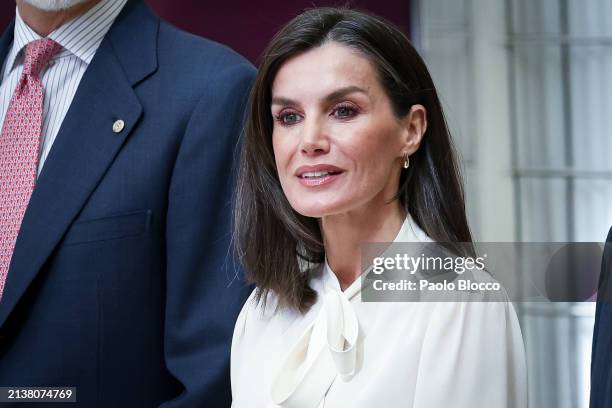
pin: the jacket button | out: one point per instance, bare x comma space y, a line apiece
118, 126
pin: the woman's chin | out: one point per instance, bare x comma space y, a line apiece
318, 210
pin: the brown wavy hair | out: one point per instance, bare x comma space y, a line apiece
273, 241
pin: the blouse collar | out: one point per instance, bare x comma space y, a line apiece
409, 232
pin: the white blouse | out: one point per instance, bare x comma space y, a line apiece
347, 353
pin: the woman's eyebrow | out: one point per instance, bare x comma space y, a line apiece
337, 94
342, 92
280, 100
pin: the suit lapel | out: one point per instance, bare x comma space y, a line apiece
85, 146
5, 42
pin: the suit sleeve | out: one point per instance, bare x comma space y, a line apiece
600, 356
205, 289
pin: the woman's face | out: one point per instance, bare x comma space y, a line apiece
337, 144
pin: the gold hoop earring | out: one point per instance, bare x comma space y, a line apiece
407, 161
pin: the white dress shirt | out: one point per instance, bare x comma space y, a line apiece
347, 353
80, 39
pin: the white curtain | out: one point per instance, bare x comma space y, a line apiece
536, 78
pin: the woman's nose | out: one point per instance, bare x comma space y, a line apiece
315, 139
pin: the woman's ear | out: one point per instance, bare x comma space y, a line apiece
415, 125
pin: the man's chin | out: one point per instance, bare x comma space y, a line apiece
54, 5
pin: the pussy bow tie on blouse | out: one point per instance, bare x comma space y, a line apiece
326, 350
328, 347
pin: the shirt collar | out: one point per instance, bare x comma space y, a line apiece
409, 232
80, 37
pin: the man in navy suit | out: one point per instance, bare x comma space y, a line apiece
601, 357
121, 280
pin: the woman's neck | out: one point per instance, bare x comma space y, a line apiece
344, 234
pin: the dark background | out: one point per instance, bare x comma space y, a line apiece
245, 26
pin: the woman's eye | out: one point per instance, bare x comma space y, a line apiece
288, 118
344, 111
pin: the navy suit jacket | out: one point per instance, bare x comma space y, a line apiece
601, 357
122, 281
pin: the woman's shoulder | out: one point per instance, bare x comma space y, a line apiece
263, 309
259, 307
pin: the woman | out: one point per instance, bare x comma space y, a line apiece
346, 143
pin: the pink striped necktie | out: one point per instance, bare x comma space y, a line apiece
19, 147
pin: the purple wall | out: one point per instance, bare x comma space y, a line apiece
7, 12
246, 26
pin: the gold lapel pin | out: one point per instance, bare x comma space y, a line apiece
118, 126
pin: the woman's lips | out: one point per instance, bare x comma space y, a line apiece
318, 178
318, 174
